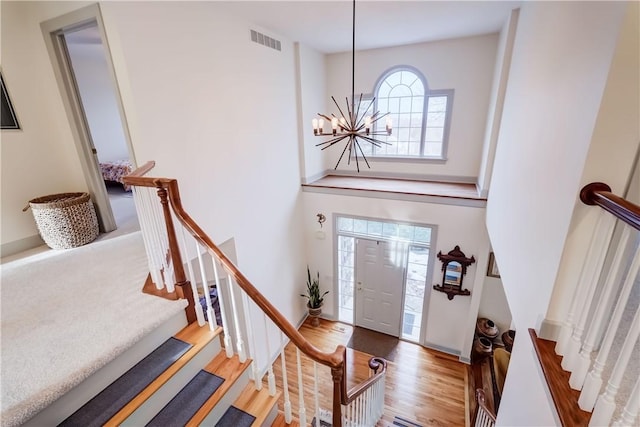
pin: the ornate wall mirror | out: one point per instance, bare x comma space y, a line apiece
454, 267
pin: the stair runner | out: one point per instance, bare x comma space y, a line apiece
182, 408
113, 398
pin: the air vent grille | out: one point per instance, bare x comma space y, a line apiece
265, 40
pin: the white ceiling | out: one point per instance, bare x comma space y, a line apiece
327, 25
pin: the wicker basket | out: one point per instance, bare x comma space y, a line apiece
65, 220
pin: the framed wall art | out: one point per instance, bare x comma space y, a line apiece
8, 119
492, 268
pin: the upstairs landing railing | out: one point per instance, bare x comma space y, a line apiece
185, 261
596, 343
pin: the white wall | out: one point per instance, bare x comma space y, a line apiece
558, 73
456, 225
98, 100
615, 141
40, 158
210, 107
465, 65
496, 104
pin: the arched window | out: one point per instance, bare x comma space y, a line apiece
420, 116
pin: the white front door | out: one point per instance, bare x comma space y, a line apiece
380, 285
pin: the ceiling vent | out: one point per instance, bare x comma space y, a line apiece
265, 40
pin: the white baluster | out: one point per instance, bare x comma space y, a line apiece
631, 409
581, 366
316, 401
141, 210
153, 239
596, 249
242, 352
302, 413
593, 382
192, 279
606, 405
205, 287
587, 292
271, 379
252, 339
228, 347
285, 382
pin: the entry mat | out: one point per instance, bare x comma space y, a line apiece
112, 399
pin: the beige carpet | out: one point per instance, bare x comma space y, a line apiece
65, 314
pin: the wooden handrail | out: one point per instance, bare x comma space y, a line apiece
335, 360
375, 363
599, 193
142, 170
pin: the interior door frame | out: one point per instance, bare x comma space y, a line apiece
53, 31
355, 281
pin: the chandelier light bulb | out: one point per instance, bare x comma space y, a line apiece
320, 125
314, 122
334, 125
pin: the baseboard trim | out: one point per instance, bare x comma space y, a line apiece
21, 245
550, 330
442, 349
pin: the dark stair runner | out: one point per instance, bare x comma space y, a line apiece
188, 401
112, 399
235, 417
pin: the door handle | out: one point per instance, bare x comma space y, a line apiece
359, 286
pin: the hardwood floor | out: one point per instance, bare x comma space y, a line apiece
422, 385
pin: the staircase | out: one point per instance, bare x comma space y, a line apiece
211, 372
187, 380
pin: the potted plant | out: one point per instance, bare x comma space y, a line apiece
315, 300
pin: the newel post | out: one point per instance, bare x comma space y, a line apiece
338, 376
183, 287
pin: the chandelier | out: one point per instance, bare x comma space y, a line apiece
356, 127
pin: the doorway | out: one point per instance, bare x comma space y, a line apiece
383, 267
95, 89
84, 71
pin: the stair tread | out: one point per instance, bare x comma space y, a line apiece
280, 421
199, 337
256, 402
230, 369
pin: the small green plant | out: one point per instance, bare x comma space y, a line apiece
313, 291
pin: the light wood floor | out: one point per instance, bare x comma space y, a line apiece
424, 386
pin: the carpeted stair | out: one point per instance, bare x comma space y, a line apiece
168, 388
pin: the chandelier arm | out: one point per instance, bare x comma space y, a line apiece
380, 117
362, 152
364, 113
332, 142
357, 113
339, 109
356, 156
341, 155
325, 117
350, 111
374, 141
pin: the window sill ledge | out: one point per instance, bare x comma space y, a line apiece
451, 193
